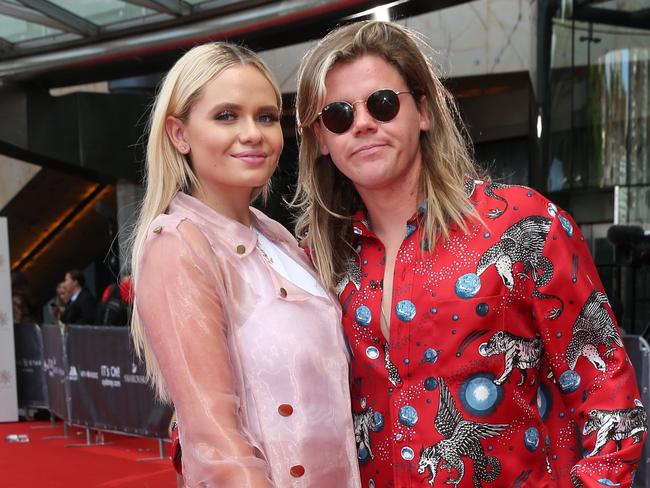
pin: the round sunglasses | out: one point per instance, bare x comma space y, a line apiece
382, 105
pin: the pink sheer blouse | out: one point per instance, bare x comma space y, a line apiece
256, 366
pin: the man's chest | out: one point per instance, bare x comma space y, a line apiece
438, 305
451, 330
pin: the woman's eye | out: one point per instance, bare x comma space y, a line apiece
268, 118
225, 116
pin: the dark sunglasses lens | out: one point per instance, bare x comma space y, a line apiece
383, 105
337, 116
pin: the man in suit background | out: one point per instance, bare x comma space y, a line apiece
81, 308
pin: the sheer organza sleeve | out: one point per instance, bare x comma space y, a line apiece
179, 301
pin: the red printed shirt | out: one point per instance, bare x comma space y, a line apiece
491, 333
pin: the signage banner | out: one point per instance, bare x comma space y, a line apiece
108, 387
55, 369
32, 391
8, 391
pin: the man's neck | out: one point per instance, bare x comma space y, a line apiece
389, 210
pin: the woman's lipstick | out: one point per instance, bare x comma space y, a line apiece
253, 158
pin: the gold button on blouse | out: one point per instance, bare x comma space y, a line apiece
297, 471
285, 410
283, 293
241, 249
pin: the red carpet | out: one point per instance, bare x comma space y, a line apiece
48, 463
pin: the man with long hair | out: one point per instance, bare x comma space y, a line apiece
459, 295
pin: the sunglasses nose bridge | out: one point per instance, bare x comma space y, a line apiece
362, 118
356, 102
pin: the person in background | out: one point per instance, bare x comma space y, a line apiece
235, 329
115, 307
56, 305
24, 311
82, 305
459, 294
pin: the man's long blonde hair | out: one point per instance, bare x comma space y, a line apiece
326, 198
167, 171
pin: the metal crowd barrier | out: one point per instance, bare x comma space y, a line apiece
88, 376
30, 378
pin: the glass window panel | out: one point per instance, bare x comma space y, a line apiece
104, 12
600, 113
16, 30
561, 79
634, 205
48, 41
618, 75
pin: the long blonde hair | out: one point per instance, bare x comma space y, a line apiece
167, 171
326, 198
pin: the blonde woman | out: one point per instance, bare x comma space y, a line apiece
455, 290
233, 324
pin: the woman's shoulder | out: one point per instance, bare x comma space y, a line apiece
176, 233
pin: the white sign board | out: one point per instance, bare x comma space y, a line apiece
8, 393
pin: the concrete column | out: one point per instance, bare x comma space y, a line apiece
129, 198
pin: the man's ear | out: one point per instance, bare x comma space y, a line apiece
319, 130
423, 110
175, 129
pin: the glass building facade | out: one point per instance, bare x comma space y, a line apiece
598, 154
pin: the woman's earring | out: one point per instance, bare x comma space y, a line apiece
184, 148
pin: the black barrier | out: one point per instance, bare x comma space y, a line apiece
55, 367
639, 353
32, 392
108, 387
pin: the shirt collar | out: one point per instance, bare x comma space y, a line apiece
75, 295
233, 233
361, 224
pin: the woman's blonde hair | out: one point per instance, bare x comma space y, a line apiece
326, 198
167, 171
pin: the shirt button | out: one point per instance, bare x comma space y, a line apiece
158, 230
285, 409
241, 249
297, 471
283, 293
